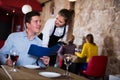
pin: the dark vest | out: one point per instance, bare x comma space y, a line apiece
53, 39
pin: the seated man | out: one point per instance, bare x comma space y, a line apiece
21, 42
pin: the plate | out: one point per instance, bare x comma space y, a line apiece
49, 74
31, 66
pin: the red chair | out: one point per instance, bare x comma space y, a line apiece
1, 43
96, 67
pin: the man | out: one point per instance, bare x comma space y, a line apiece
21, 42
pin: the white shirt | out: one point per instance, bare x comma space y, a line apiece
48, 30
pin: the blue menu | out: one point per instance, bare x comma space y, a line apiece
40, 51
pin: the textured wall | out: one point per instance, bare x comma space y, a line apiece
102, 19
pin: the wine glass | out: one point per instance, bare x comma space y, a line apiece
67, 62
77, 49
14, 57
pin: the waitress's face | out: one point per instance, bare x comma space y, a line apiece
60, 21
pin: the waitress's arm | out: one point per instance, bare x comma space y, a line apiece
45, 40
47, 31
64, 39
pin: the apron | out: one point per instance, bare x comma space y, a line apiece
53, 39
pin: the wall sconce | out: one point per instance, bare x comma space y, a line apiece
26, 8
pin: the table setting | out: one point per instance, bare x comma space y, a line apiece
32, 72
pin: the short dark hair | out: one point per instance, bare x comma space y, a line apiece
65, 13
29, 15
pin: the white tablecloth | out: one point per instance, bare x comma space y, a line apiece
114, 77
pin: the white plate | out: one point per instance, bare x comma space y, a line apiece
31, 66
49, 74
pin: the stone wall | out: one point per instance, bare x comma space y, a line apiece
102, 19
99, 17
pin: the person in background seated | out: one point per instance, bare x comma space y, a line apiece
21, 42
66, 49
89, 49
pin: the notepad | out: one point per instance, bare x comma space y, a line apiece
40, 51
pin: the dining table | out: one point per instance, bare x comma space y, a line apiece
24, 73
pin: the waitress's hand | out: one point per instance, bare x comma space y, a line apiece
45, 59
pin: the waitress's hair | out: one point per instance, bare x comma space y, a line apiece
90, 39
66, 14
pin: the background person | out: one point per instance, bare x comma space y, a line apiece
66, 48
89, 49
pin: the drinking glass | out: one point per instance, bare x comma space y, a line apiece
77, 49
14, 57
67, 62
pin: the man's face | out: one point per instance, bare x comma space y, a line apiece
60, 21
35, 24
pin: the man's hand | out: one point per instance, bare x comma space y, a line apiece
9, 62
45, 60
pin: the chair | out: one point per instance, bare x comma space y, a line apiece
1, 43
96, 67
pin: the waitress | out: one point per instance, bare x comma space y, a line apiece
54, 30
